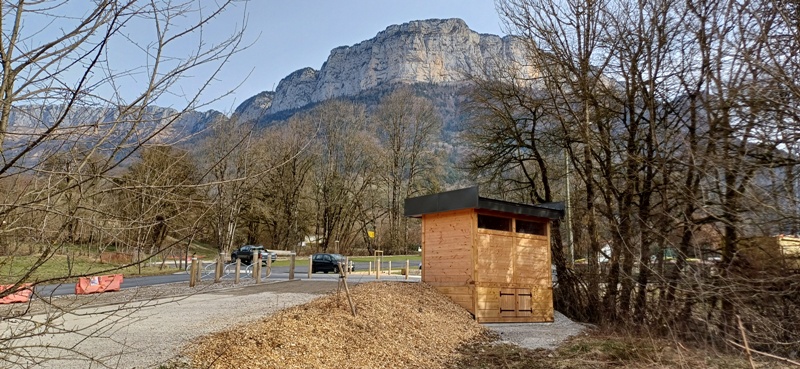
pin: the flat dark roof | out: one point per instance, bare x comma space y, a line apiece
468, 198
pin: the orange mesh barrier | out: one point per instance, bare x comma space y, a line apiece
98, 284
23, 294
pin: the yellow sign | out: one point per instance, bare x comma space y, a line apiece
371, 234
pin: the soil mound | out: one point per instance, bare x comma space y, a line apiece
397, 325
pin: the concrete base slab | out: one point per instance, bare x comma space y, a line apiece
537, 335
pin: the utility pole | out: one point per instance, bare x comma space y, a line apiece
567, 214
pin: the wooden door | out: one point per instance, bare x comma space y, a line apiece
515, 302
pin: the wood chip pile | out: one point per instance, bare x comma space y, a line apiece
398, 325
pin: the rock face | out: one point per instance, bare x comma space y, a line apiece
254, 107
430, 51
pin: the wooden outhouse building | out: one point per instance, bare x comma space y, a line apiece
492, 257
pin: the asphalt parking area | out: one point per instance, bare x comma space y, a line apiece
296, 286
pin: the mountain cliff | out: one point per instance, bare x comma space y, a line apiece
434, 55
434, 51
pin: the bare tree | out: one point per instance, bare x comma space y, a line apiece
565, 45
157, 192
279, 198
72, 113
676, 120
515, 148
407, 127
345, 169
230, 172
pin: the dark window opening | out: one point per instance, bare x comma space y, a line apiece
531, 228
495, 223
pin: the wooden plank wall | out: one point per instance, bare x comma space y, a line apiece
447, 255
513, 277
532, 305
462, 295
506, 258
495, 258
532, 264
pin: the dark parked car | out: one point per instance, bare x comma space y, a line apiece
245, 253
328, 263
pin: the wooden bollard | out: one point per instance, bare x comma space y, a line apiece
218, 269
408, 271
257, 266
310, 264
269, 266
198, 271
193, 272
291, 267
238, 270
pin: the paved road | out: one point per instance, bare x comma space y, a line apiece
278, 273
69, 288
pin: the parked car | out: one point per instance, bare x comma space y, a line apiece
245, 253
328, 263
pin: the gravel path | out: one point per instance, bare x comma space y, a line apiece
538, 335
143, 333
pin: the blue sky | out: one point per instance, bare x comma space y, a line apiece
289, 35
